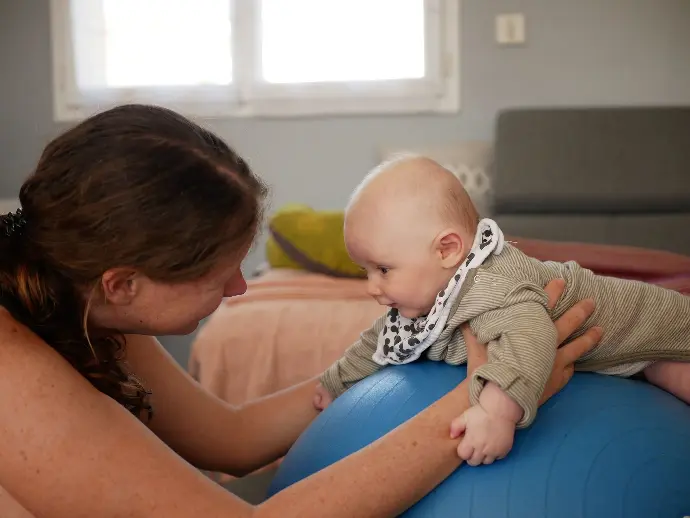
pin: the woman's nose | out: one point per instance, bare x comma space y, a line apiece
235, 286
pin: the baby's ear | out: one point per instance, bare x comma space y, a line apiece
449, 248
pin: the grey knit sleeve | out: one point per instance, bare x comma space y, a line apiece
356, 364
522, 347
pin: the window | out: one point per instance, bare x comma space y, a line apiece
256, 57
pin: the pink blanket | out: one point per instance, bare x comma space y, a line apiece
290, 326
285, 329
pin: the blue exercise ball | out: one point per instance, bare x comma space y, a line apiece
602, 447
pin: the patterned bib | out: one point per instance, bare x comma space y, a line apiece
403, 340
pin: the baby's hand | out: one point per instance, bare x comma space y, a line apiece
322, 398
487, 437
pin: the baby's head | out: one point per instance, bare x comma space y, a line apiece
409, 224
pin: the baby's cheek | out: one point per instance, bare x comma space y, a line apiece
429, 300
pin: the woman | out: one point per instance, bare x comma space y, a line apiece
133, 225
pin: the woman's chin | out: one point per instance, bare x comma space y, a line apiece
188, 329
172, 330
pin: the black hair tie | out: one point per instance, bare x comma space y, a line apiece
14, 223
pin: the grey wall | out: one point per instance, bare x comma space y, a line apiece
579, 52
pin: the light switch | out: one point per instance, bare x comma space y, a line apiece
510, 29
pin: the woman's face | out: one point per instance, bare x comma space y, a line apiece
178, 309
157, 309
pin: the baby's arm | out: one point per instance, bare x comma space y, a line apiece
489, 427
505, 392
355, 365
498, 403
522, 348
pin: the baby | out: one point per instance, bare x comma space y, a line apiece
428, 257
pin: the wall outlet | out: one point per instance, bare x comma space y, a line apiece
510, 29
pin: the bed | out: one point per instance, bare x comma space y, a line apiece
607, 187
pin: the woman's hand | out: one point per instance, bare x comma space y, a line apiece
564, 364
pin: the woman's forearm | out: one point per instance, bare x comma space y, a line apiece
269, 426
386, 477
208, 432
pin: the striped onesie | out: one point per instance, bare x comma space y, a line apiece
504, 302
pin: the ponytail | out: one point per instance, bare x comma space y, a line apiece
50, 306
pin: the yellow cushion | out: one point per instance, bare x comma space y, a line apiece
305, 239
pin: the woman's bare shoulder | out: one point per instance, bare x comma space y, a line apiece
11, 508
19, 346
55, 423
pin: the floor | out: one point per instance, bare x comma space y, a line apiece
252, 488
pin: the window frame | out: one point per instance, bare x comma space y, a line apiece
249, 96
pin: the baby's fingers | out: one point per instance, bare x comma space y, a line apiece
458, 426
488, 459
465, 450
477, 458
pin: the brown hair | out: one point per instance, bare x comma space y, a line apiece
137, 186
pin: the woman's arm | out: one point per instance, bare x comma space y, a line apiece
205, 430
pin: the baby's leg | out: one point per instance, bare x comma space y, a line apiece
673, 377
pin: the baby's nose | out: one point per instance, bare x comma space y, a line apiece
373, 288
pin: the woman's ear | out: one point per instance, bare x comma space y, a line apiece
450, 248
120, 285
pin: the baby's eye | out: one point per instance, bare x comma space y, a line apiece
383, 269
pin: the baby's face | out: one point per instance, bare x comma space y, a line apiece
402, 272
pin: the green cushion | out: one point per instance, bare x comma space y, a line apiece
306, 239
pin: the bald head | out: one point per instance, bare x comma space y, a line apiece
418, 188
